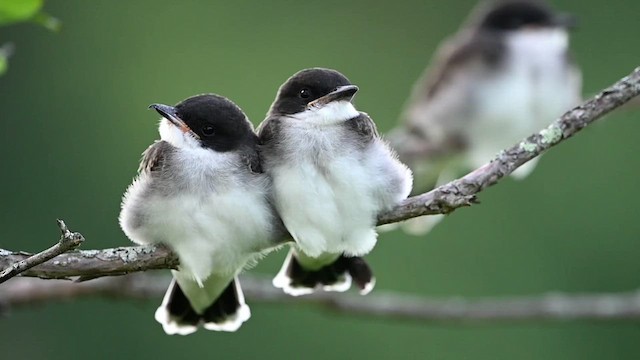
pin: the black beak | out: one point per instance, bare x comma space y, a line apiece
565, 20
342, 93
170, 113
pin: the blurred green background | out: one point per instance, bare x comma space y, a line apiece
74, 122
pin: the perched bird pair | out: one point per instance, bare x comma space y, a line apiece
214, 192
506, 74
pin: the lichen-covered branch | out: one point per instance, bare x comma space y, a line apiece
621, 306
88, 264
444, 199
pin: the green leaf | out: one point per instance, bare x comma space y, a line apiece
12, 11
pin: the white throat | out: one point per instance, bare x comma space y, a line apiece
331, 113
174, 136
551, 42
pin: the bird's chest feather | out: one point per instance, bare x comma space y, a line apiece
534, 86
214, 232
324, 157
212, 213
323, 190
535, 83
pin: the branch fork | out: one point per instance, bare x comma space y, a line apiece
68, 241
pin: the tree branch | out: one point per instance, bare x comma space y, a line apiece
68, 241
90, 264
554, 306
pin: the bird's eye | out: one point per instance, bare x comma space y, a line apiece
305, 93
207, 130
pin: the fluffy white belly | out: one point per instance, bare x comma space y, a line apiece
535, 88
214, 233
328, 208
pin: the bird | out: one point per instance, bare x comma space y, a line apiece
201, 191
507, 73
332, 175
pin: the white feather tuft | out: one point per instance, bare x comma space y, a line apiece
176, 137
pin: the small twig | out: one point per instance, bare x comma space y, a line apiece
605, 307
68, 241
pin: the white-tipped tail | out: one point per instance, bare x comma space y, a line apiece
219, 305
368, 286
172, 325
232, 322
337, 275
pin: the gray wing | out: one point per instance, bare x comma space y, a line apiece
459, 52
268, 145
397, 177
436, 114
155, 157
267, 131
134, 207
363, 128
252, 159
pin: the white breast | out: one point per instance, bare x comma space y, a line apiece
330, 192
535, 88
216, 223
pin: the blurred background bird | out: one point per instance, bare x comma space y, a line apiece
506, 74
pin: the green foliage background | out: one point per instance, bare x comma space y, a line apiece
73, 122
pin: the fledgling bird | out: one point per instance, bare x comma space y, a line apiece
332, 175
200, 190
506, 74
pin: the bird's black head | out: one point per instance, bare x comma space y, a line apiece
518, 14
213, 120
311, 87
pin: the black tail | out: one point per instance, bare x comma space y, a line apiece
360, 273
226, 313
295, 280
229, 310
